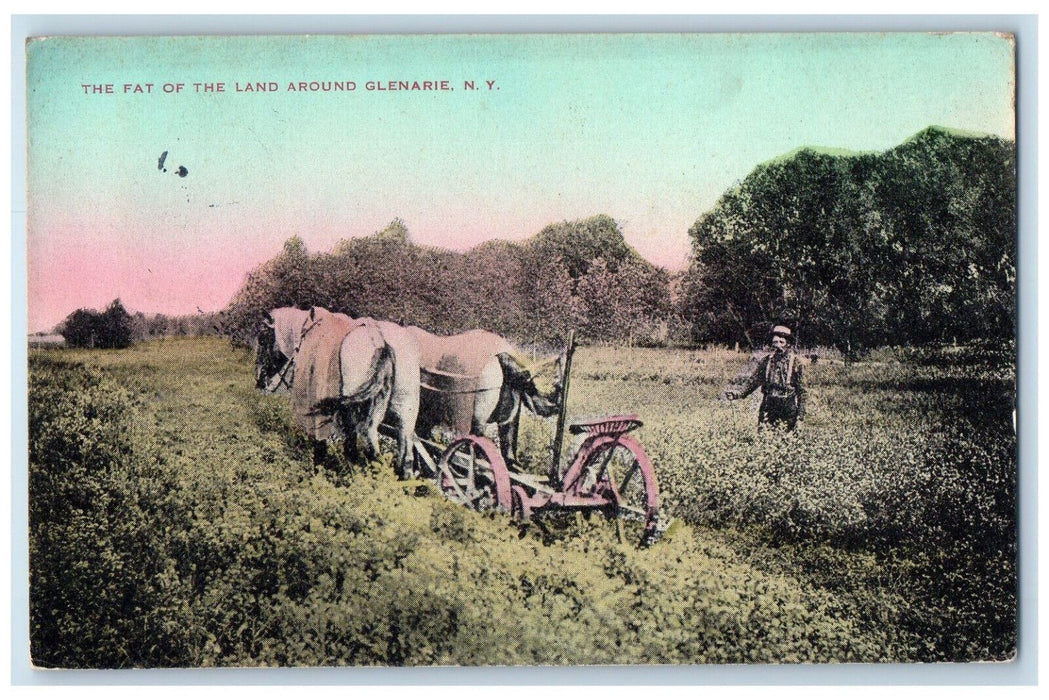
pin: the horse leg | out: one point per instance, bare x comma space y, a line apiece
349, 443
320, 451
367, 427
507, 441
405, 457
403, 416
374, 412
369, 434
350, 450
508, 433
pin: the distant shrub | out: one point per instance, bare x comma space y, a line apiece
111, 328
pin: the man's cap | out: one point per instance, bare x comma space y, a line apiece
781, 330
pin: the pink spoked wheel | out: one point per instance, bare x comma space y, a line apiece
618, 470
472, 472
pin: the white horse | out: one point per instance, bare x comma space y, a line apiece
402, 412
275, 348
472, 380
345, 376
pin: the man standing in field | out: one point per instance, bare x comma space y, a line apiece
779, 376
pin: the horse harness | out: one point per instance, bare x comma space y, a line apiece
537, 369
306, 328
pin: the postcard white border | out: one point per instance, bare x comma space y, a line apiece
1021, 672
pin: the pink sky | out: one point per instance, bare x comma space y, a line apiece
89, 268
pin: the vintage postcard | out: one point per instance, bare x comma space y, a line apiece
522, 349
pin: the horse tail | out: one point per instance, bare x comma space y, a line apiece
380, 376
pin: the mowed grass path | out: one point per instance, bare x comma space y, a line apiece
280, 565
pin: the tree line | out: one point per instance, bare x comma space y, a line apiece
116, 327
579, 275
912, 246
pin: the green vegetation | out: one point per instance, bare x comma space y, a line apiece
86, 328
898, 493
914, 245
115, 327
176, 520
578, 274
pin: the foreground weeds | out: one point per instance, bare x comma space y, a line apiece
177, 520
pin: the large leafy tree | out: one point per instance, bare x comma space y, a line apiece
79, 329
582, 274
116, 326
286, 280
913, 245
576, 244
951, 204
551, 308
625, 301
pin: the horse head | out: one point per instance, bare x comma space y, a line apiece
542, 405
519, 381
271, 362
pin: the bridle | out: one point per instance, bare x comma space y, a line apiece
282, 376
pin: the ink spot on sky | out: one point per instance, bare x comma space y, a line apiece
182, 172
160, 162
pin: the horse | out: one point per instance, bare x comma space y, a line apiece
275, 347
345, 376
471, 380
402, 411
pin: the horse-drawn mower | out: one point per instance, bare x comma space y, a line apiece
330, 363
609, 473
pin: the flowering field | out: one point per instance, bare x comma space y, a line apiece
898, 492
176, 520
